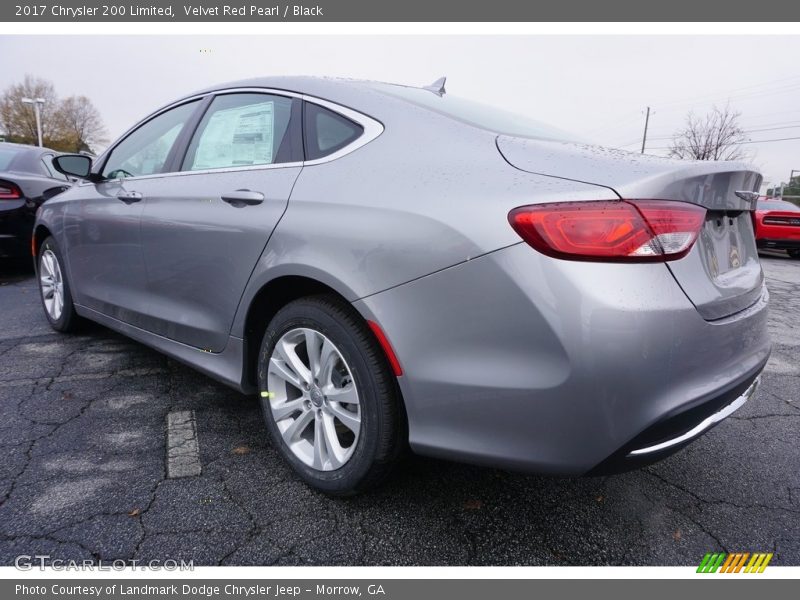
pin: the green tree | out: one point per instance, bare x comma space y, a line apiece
790, 190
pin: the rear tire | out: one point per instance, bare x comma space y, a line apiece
54, 288
330, 403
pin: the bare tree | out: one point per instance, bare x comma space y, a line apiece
70, 125
80, 124
715, 136
19, 120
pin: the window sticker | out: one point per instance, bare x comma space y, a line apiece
237, 137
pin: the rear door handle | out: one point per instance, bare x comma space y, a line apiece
241, 198
129, 197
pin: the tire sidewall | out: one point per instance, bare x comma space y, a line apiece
312, 316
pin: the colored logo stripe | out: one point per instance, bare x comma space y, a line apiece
733, 563
758, 563
711, 562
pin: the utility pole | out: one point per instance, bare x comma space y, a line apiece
646, 123
37, 103
794, 184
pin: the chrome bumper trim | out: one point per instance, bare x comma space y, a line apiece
703, 425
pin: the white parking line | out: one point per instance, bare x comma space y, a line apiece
183, 451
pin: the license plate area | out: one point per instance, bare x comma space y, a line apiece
727, 241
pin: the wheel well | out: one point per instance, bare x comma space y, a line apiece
268, 301
39, 236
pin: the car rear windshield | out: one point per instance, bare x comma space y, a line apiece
477, 114
7, 156
778, 205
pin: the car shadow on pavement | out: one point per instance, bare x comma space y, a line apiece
13, 270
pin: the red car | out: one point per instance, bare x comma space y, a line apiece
777, 225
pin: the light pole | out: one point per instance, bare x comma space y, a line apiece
37, 103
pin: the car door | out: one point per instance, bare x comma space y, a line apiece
204, 228
102, 225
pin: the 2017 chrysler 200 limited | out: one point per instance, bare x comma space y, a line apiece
387, 265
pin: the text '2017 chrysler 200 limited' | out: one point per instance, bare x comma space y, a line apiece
389, 266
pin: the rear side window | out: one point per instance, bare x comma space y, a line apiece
145, 151
327, 131
778, 205
242, 130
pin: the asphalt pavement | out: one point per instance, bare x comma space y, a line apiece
84, 436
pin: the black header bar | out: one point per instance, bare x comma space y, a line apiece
464, 11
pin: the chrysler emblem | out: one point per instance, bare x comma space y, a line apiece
750, 197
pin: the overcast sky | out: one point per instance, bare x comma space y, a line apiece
596, 86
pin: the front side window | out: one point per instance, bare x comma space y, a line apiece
327, 131
145, 151
242, 130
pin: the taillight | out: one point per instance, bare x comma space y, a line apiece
613, 230
9, 191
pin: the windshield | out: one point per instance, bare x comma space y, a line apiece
778, 205
477, 114
7, 156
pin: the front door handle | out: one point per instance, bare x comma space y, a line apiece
241, 198
129, 197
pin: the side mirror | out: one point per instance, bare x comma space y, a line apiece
73, 165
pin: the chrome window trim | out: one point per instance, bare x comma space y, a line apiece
372, 129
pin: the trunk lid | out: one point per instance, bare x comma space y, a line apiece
721, 275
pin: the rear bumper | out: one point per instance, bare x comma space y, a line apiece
674, 432
525, 362
779, 244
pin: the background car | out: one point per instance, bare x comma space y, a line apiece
388, 266
27, 179
777, 225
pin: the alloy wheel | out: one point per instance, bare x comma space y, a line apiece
52, 284
313, 399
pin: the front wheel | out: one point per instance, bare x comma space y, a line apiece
329, 401
54, 289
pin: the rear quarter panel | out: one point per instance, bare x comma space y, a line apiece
427, 194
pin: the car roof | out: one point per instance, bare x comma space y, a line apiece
27, 159
28, 148
305, 84
358, 94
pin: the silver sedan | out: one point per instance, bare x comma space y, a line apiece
390, 267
